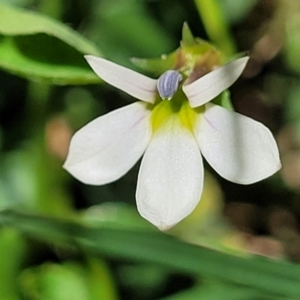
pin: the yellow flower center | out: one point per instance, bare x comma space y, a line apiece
179, 107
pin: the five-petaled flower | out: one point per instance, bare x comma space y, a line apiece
173, 135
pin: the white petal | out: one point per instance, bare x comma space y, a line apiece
212, 84
131, 82
237, 147
106, 148
170, 180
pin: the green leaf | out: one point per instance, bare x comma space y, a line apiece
68, 280
37, 47
55, 282
276, 278
100, 280
217, 291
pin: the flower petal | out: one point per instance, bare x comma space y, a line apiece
212, 84
131, 82
106, 148
170, 180
238, 148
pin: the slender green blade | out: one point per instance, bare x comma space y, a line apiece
278, 278
37, 47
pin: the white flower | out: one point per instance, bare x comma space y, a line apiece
172, 135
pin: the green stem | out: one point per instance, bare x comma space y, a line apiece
216, 25
38, 94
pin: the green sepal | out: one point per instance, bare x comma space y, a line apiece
184, 59
187, 37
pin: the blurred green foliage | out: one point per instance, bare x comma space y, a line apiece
60, 239
26, 45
